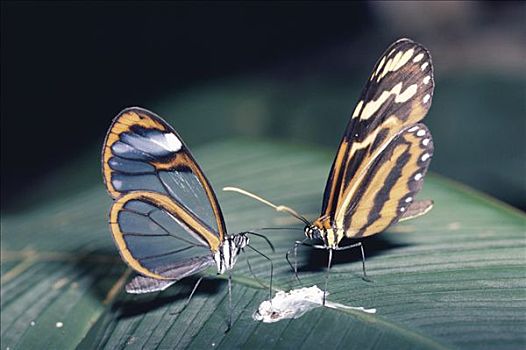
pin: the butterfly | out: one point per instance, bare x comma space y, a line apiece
382, 158
165, 218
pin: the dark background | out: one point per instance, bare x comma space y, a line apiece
269, 70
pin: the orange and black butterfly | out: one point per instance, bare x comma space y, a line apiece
383, 156
165, 219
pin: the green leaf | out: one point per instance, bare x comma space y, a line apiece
453, 278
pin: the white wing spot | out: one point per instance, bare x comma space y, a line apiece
173, 142
397, 57
425, 157
407, 94
379, 68
418, 176
117, 184
385, 69
408, 199
404, 59
358, 109
414, 128
426, 98
390, 63
402, 209
59, 324
425, 142
372, 106
426, 79
397, 62
421, 133
424, 65
418, 57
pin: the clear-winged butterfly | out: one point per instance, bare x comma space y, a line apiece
165, 219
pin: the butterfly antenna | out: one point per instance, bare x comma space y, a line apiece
280, 228
280, 208
262, 236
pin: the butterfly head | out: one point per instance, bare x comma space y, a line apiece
327, 235
239, 240
313, 232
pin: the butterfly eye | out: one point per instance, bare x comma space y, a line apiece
312, 232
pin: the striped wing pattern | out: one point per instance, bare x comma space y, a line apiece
388, 188
396, 97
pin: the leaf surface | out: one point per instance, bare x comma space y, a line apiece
453, 278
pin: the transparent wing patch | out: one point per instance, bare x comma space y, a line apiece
143, 153
153, 234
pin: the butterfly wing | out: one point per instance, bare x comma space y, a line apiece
397, 96
165, 219
143, 153
142, 284
156, 235
387, 191
416, 209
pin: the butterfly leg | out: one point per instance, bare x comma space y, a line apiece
365, 278
327, 276
230, 310
295, 266
190, 297
359, 244
271, 269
